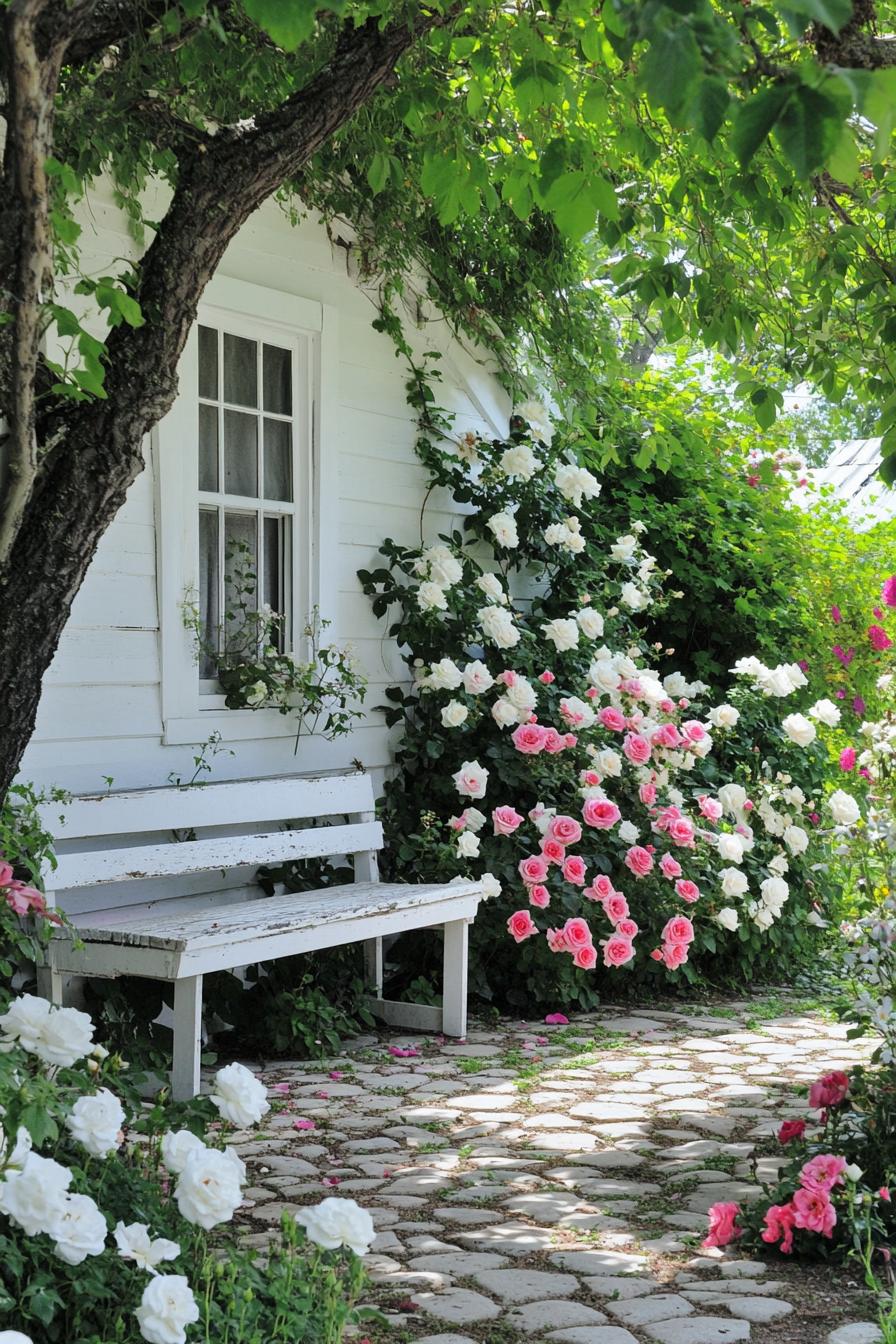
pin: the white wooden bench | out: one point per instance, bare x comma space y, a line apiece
146, 903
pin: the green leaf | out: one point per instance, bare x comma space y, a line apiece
831, 14
289, 23
808, 129
378, 172
843, 163
671, 66
888, 470
754, 120
711, 106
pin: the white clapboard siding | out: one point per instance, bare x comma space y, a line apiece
276, 799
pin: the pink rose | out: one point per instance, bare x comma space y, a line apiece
585, 957
600, 813
590, 777
506, 820
507, 678
574, 870
539, 896
627, 928
790, 1130
884, 1194
667, 735
565, 829
556, 939
674, 955
639, 860
647, 794
814, 1211
636, 748
779, 1225
571, 715
577, 933
556, 1020
5, 874
521, 926
533, 869
546, 677
618, 950
552, 741
679, 929
602, 887
667, 706
612, 718
723, 1228
670, 867
830, 1090
823, 1172
616, 907
687, 890
528, 738
711, 808
693, 731
570, 740
553, 851
681, 832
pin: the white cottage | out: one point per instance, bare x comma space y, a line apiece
292, 433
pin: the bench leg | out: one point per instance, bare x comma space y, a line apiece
373, 966
454, 984
187, 1033
50, 984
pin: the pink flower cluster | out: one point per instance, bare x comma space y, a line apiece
23, 899
533, 738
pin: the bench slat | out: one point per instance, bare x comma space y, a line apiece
247, 802
192, 856
271, 917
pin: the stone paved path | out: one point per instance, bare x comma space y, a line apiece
551, 1183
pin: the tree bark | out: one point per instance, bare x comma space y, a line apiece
92, 452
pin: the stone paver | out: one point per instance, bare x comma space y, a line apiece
550, 1205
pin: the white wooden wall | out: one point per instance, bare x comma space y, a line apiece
101, 708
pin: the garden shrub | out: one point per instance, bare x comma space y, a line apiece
534, 686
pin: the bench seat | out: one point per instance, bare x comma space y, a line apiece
124, 923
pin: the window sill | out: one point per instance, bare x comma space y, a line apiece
234, 725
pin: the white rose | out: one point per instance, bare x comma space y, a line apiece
577, 713
166, 1308
796, 839
730, 848
591, 623
504, 713
624, 548
474, 820
96, 1122
79, 1230
535, 413
208, 1189
476, 677
65, 1037
23, 1022
239, 1096
503, 528
471, 780
633, 597
815, 919
34, 1196
468, 845
13, 1337
491, 887
764, 917
608, 762
627, 833
702, 748
775, 893
431, 597
134, 1243
728, 918
574, 542
563, 633
826, 712
490, 584
853, 1172
338, 1222
575, 483
734, 882
519, 461
441, 566
454, 714
799, 729
843, 808
13, 1160
732, 797
724, 716
445, 675
177, 1147
779, 865
497, 625
603, 675
521, 695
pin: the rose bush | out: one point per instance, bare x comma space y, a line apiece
583, 782
115, 1212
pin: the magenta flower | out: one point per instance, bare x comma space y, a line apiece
836, 615
888, 591
858, 705
556, 1020
803, 665
848, 758
843, 655
879, 638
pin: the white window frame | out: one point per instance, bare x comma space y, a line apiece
189, 713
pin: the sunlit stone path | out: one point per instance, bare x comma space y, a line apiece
551, 1182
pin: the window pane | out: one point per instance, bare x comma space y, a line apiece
209, 616
240, 370
240, 454
240, 583
277, 380
274, 572
208, 363
277, 459
208, 447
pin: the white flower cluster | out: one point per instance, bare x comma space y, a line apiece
59, 1037
773, 681
575, 483
442, 570
567, 535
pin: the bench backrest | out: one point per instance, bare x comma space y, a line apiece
119, 849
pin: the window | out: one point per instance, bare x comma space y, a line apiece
245, 467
